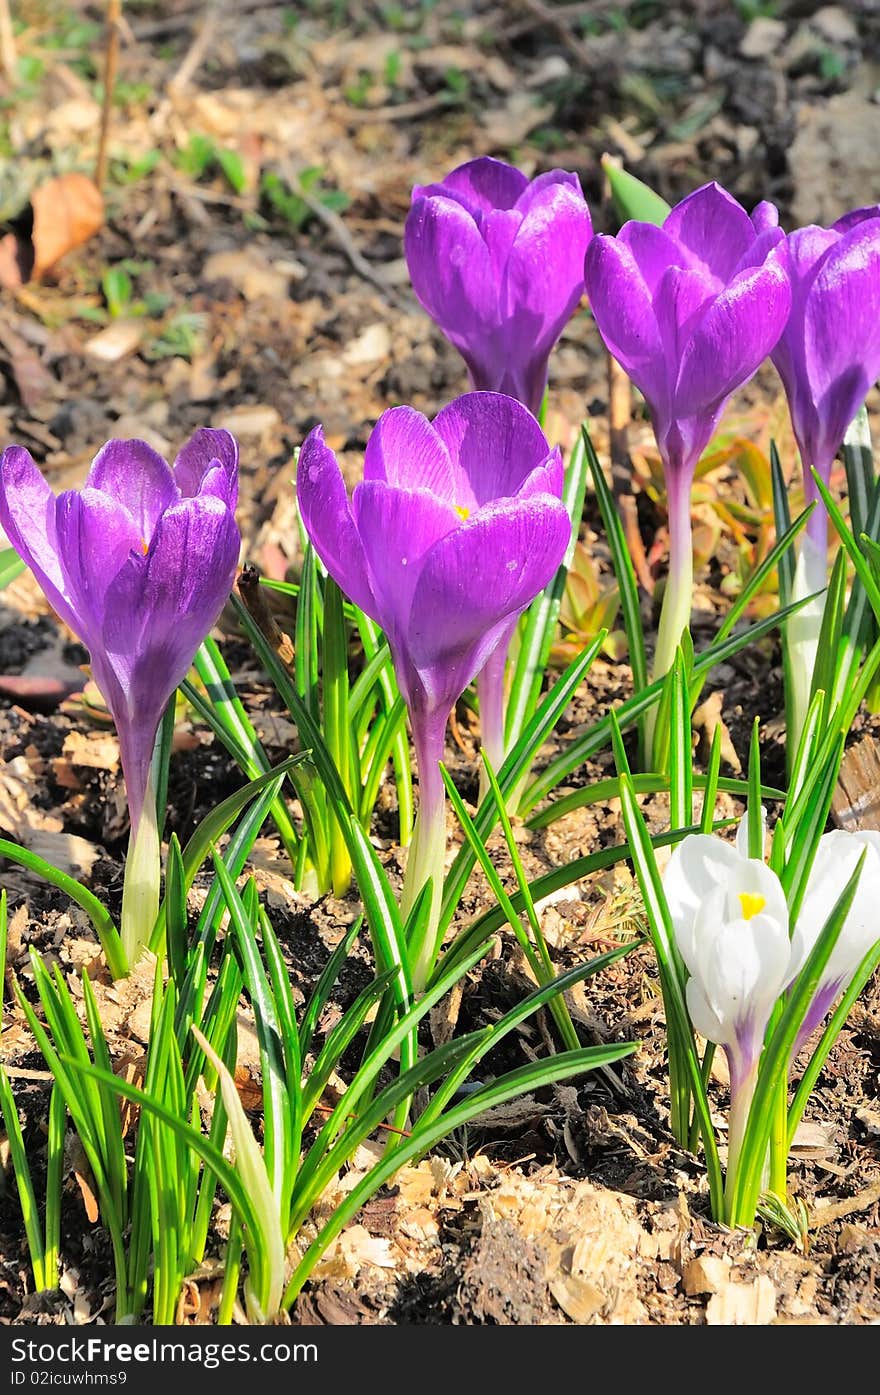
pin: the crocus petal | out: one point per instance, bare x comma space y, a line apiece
451, 270
842, 330
27, 516
855, 216
713, 229
765, 215
545, 271
138, 479
732, 339
624, 313
158, 610
209, 463
837, 856
397, 527
653, 251
698, 865
495, 443
326, 513
679, 300
483, 184
474, 579
96, 536
407, 450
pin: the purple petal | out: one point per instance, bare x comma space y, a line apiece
842, 332
137, 478
158, 609
451, 271
733, 338
652, 251
406, 450
96, 537
546, 478
545, 273
765, 215
621, 304
27, 516
397, 527
679, 301
326, 515
714, 229
483, 184
856, 216
473, 580
494, 443
209, 463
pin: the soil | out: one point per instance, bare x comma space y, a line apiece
575, 1205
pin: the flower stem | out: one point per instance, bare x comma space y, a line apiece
742, 1088
675, 613
427, 851
140, 890
804, 628
779, 1142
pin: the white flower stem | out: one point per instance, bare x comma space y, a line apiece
803, 629
427, 851
741, 1092
140, 891
675, 613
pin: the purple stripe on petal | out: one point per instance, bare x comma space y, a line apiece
486, 183
732, 339
475, 578
138, 479
27, 516
398, 527
712, 228
326, 513
406, 450
96, 536
196, 467
495, 444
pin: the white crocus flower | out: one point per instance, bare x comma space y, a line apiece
836, 859
730, 919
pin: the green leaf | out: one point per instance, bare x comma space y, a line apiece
11, 566
632, 198
541, 617
105, 928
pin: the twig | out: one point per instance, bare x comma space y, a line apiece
195, 54
186, 18
111, 63
8, 55
825, 1213
545, 15
335, 226
254, 599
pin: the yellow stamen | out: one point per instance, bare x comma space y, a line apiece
462, 511
751, 903
145, 546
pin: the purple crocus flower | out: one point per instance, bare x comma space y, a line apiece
829, 355
138, 563
828, 358
498, 263
690, 310
455, 528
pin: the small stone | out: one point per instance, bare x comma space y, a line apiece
706, 1274
762, 38
835, 25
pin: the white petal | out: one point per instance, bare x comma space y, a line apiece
702, 1014
699, 864
836, 859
